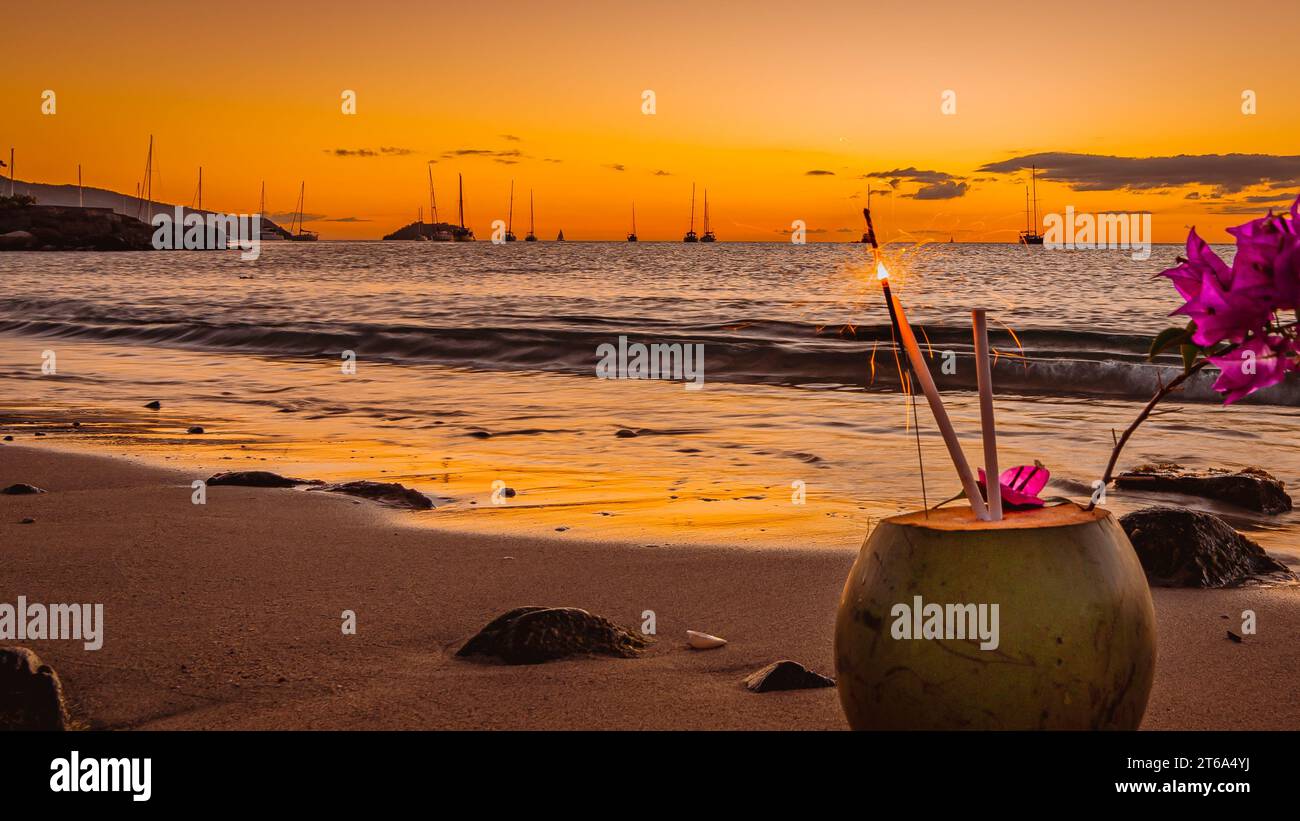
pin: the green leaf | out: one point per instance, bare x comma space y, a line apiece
1190, 354
1167, 339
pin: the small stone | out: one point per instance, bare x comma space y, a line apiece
27, 521
31, 695
532, 635
785, 675
508, 492
154, 405
21, 489
388, 493
560, 529
256, 478
1234, 637
195, 429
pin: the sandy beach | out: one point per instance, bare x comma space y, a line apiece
227, 616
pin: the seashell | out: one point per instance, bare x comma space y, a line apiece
703, 641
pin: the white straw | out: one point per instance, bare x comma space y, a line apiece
922, 372
984, 372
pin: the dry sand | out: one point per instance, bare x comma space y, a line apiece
227, 615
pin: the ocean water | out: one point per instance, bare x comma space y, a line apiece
476, 364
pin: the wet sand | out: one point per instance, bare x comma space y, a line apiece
227, 616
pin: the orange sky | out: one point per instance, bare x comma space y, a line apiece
750, 97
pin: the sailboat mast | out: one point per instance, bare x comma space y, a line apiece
433, 199
1033, 176
706, 210
531, 223
692, 207
460, 181
510, 212
634, 218
1029, 226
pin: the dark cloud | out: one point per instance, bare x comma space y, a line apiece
663, 173
550, 159
788, 231
949, 190
910, 174
382, 151
344, 219
817, 172
1227, 173
512, 138
510, 155
283, 217
615, 166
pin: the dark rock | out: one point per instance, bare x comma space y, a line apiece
195, 429
27, 521
389, 493
257, 478
1252, 488
154, 405
532, 635
1187, 548
27, 227
31, 695
786, 675
21, 489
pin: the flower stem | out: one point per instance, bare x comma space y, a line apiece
1164, 391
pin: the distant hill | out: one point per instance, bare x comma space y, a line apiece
124, 204
432, 231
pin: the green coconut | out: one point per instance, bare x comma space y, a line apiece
1075, 645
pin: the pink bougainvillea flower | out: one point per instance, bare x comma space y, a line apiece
1227, 314
1268, 257
1201, 262
1254, 364
1020, 485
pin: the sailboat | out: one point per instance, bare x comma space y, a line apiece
708, 233
531, 224
510, 215
690, 235
1030, 235
560, 236
302, 234
632, 236
464, 234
